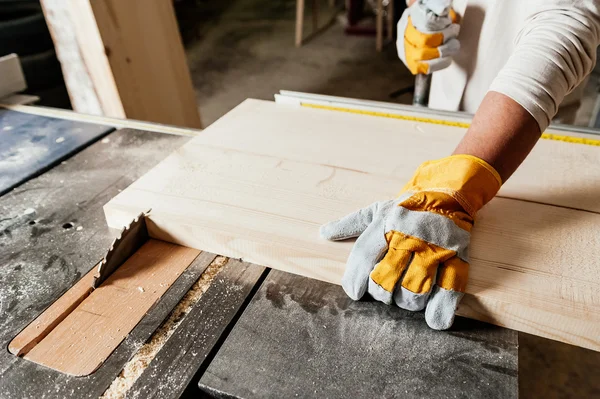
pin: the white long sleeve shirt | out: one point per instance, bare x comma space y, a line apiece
533, 51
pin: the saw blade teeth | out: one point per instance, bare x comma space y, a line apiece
116, 243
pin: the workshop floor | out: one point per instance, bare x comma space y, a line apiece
244, 48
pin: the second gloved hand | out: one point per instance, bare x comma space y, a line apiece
427, 34
413, 250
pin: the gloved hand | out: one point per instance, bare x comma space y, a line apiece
427, 34
414, 250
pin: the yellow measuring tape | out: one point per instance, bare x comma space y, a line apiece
546, 136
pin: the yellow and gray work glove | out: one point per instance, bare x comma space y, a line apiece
427, 34
413, 251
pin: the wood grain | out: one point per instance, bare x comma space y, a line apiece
299, 23
84, 96
91, 332
261, 196
56, 313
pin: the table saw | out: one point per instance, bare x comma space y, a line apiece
225, 327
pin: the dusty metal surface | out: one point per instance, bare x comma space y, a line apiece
52, 231
135, 367
175, 369
31, 144
305, 338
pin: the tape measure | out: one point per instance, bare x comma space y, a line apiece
545, 136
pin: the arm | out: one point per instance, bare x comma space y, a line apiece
554, 52
421, 260
500, 141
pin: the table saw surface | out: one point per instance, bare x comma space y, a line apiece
228, 328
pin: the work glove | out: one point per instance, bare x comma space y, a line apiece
413, 250
427, 34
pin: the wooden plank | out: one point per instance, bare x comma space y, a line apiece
91, 332
13, 80
277, 226
54, 315
84, 96
357, 140
19, 99
315, 16
379, 26
171, 371
132, 71
390, 20
68, 115
299, 22
300, 337
263, 196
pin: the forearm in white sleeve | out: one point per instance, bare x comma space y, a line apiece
554, 52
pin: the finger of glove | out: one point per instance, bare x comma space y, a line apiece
422, 271
421, 274
387, 273
453, 274
450, 48
351, 225
437, 6
427, 21
441, 308
368, 249
401, 27
431, 66
414, 290
416, 54
430, 39
450, 285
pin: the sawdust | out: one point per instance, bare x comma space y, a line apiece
140, 361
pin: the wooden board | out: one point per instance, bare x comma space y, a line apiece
115, 65
68, 115
53, 316
13, 79
90, 333
260, 181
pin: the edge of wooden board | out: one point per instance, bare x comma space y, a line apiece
512, 314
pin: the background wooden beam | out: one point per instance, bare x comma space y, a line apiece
123, 59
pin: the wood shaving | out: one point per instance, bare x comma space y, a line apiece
140, 361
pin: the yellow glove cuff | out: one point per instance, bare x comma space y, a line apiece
469, 180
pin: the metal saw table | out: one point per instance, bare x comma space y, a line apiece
228, 328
